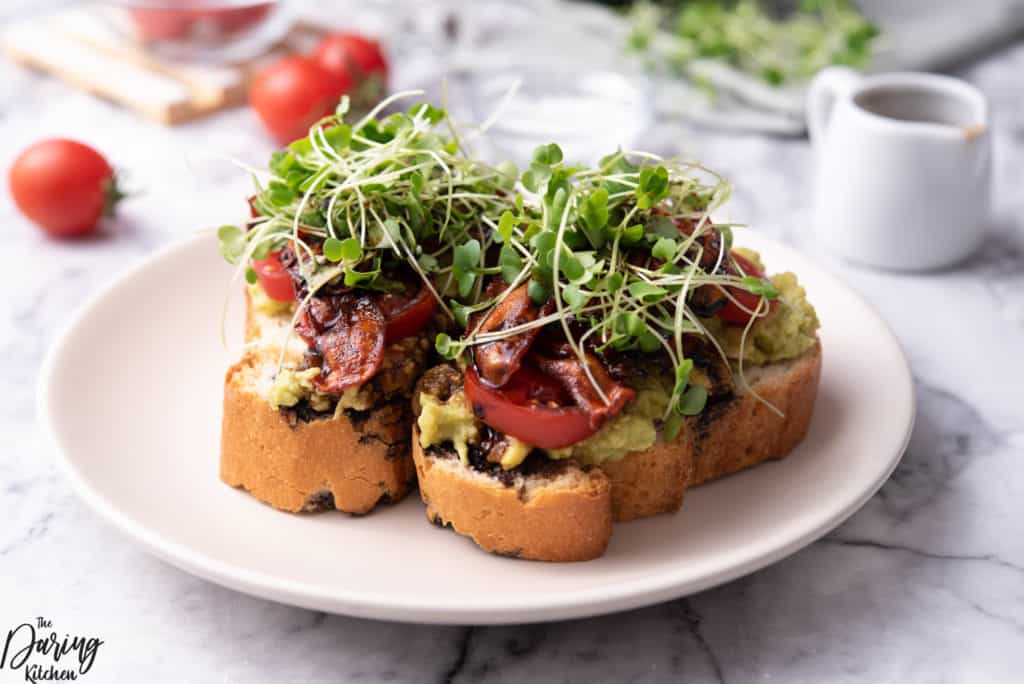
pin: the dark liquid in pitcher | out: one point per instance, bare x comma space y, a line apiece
907, 103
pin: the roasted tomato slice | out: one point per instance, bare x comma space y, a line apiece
352, 344
536, 423
730, 312
498, 361
549, 402
272, 277
407, 316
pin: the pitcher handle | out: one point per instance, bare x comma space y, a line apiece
829, 85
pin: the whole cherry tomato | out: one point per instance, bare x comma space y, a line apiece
292, 94
63, 186
352, 55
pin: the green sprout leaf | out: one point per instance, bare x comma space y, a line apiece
338, 137
250, 275
595, 216
506, 224
693, 401
332, 249
510, 262
538, 293
613, 283
633, 234
760, 287
647, 292
665, 249
428, 111
653, 186
571, 267
351, 250
672, 425
508, 173
547, 155
467, 255
232, 243
428, 263
683, 371
416, 181
649, 343
536, 178
465, 263
461, 313
574, 297
445, 347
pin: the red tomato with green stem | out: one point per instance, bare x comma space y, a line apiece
64, 187
293, 94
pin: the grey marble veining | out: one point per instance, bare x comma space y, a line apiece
924, 584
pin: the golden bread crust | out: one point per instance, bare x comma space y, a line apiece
296, 465
747, 432
568, 521
652, 481
292, 465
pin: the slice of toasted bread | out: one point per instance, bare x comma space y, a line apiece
745, 432
725, 438
299, 460
652, 481
561, 513
568, 516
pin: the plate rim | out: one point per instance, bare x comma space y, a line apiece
636, 593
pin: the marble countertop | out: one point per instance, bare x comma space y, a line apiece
924, 584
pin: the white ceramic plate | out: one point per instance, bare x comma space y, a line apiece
131, 395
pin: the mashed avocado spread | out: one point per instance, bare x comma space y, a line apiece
264, 304
292, 386
633, 429
448, 421
787, 334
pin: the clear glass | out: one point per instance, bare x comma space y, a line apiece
211, 31
588, 112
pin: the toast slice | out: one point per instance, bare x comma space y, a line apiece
299, 459
725, 438
551, 511
560, 511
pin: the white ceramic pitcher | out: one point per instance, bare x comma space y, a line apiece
903, 167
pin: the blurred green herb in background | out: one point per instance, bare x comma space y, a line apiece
779, 51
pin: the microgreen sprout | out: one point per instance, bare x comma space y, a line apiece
356, 201
777, 51
619, 248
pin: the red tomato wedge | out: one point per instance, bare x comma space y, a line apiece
731, 313
534, 422
272, 277
406, 317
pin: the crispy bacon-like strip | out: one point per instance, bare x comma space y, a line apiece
351, 343
569, 371
497, 361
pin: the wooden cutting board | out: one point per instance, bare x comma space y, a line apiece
79, 46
